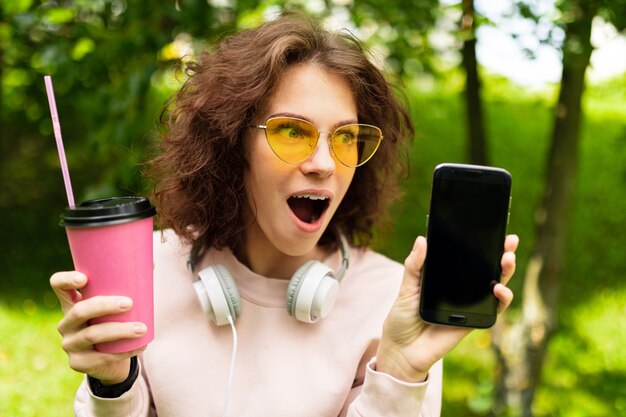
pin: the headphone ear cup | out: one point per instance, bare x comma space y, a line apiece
230, 290
294, 287
218, 294
312, 292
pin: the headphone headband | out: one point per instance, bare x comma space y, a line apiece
345, 256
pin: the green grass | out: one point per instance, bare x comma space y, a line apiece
34, 377
585, 370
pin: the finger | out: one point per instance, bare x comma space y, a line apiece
412, 269
508, 266
504, 296
415, 261
409, 289
65, 286
102, 332
87, 361
511, 243
78, 316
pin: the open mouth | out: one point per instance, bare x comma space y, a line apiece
308, 208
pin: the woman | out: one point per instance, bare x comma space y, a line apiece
273, 157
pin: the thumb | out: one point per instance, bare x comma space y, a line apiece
414, 263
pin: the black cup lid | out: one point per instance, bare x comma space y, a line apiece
106, 211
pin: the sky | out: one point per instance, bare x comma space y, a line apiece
501, 54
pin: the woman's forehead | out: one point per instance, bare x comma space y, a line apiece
311, 92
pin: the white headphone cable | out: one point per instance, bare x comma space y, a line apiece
229, 384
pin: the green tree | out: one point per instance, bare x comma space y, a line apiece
521, 346
111, 62
401, 28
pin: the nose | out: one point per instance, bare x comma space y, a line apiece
321, 161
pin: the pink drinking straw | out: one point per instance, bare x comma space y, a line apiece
56, 127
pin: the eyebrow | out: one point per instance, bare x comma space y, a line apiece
299, 116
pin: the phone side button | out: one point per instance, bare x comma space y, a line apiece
457, 319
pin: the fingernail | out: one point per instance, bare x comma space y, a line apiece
140, 328
124, 303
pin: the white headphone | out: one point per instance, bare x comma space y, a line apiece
311, 293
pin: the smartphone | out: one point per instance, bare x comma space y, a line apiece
467, 222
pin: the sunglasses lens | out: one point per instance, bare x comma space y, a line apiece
292, 140
355, 144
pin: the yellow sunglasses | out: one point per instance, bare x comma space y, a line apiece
293, 140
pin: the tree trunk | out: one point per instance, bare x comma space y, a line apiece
477, 148
521, 346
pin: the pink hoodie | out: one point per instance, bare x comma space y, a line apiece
283, 367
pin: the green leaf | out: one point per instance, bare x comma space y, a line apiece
16, 6
59, 15
16, 77
82, 47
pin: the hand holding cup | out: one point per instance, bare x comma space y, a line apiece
79, 337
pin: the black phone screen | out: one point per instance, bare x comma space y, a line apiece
467, 226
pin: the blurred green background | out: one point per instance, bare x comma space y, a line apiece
115, 62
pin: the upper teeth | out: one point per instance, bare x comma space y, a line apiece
312, 197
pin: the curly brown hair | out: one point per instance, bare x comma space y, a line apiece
199, 175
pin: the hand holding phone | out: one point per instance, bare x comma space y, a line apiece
467, 223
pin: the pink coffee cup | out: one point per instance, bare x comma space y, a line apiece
111, 243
